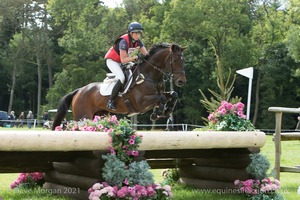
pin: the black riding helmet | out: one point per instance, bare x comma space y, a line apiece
135, 27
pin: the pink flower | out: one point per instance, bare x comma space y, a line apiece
122, 192
240, 113
134, 153
167, 188
222, 111
240, 106
112, 151
12, 186
255, 191
96, 118
133, 137
113, 118
97, 193
93, 196
89, 128
131, 141
151, 191
90, 190
229, 106
143, 192
237, 182
58, 128
211, 116
157, 186
126, 182
110, 130
131, 191
97, 186
100, 126
36, 176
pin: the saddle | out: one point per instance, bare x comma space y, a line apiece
110, 80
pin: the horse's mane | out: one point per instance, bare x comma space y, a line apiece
156, 47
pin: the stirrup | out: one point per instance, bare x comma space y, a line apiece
140, 79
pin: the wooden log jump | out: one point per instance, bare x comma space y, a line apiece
72, 161
158, 140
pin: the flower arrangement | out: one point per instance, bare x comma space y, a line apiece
123, 138
259, 187
259, 166
137, 192
28, 181
124, 177
256, 189
229, 117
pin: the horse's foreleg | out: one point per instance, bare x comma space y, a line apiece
159, 112
173, 96
161, 106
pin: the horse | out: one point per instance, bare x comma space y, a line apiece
147, 91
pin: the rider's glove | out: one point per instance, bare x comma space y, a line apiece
141, 56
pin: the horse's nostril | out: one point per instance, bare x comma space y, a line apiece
180, 83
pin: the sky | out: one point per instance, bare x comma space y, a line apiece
112, 3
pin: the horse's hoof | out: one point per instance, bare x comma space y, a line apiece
159, 113
168, 111
153, 117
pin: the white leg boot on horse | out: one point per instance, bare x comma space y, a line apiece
111, 103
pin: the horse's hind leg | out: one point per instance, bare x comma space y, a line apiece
81, 110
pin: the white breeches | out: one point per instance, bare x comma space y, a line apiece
115, 68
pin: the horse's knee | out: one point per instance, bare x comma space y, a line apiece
163, 99
174, 95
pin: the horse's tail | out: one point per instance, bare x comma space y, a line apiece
63, 108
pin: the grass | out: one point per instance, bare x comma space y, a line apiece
289, 181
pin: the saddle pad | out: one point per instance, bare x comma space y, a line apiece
107, 87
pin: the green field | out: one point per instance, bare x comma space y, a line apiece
290, 181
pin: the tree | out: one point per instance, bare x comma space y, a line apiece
220, 30
17, 54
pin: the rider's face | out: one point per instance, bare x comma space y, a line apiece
136, 35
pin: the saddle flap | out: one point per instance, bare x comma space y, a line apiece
110, 81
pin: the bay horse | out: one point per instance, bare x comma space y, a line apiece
164, 62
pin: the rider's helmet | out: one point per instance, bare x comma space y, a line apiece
135, 27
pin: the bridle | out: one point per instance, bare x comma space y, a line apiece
168, 75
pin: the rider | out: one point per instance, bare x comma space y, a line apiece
119, 54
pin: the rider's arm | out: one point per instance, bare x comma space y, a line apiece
124, 57
143, 50
123, 47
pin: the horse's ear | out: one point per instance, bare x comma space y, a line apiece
175, 48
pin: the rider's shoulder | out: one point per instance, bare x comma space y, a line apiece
123, 44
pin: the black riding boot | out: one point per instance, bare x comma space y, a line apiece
111, 103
